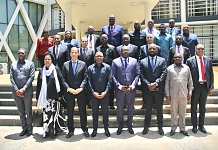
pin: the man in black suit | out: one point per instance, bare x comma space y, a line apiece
178, 48
87, 55
153, 74
133, 52
93, 39
59, 51
203, 80
75, 80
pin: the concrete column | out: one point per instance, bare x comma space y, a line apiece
68, 16
183, 10
147, 7
171, 8
78, 36
82, 34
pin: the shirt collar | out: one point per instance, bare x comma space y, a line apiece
23, 61
74, 61
102, 64
174, 65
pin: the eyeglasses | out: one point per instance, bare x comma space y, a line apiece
84, 41
98, 56
200, 49
20, 53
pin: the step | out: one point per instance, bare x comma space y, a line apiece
8, 87
138, 120
8, 95
11, 102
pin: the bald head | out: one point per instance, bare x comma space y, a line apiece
137, 25
126, 39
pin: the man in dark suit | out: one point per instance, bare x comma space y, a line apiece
87, 55
125, 73
93, 39
153, 74
60, 52
178, 48
172, 30
114, 32
133, 52
75, 80
203, 80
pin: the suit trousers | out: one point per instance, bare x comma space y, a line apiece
41, 60
158, 100
95, 111
120, 98
111, 96
178, 105
24, 106
199, 96
87, 93
70, 98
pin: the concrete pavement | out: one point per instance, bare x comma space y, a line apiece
10, 140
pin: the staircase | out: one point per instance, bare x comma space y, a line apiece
9, 113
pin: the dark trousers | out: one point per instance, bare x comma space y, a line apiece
158, 99
70, 98
24, 106
41, 61
199, 96
111, 96
95, 111
87, 93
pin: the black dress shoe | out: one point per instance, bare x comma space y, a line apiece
112, 107
69, 134
172, 132
154, 107
161, 132
184, 133
23, 132
130, 130
29, 133
202, 129
94, 133
125, 106
143, 107
86, 133
107, 133
119, 131
145, 131
194, 130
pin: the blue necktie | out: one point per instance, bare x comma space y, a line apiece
152, 63
74, 67
125, 63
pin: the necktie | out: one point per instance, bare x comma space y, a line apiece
150, 31
125, 63
202, 69
56, 52
74, 67
178, 49
84, 53
112, 30
171, 31
90, 41
152, 63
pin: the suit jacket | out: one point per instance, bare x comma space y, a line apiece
133, 52
128, 76
78, 80
116, 38
176, 31
208, 70
63, 55
96, 40
190, 42
144, 52
89, 56
157, 75
172, 52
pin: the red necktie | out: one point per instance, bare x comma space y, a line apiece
150, 31
84, 53
202, 69
112, 30
178, 49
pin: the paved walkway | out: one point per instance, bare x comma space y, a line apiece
10, 140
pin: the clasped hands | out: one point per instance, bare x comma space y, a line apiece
20, 93
99, 96
168, 98
126, 89
74, 91
152, 86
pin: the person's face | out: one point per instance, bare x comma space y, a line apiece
46, 35
126, 40
57, 39
111, 21
162, 28
186, 29
152, 50
104, 39
47, 61
179, 40
90, 30
149, 39
84, 42
171, 24
137, 26
74, 54
21, 54
125, 52
99, 58
150, 24
177, 59
68, 35
199, 50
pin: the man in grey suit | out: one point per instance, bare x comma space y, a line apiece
203, 80
59, 51
93, 39
153, 74
125, 73
22, 75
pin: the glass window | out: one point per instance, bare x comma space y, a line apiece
33, 13
13, 38
3, 18
11, 7
21, 20
3, 27
23, 37
40, 13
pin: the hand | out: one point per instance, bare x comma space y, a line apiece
168, 98
129, 88
124, 89
189, 97
77, 91
152, 86
96, 94
59, 98
103, 94
210, 92
37, 58
72, 91
22, 91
